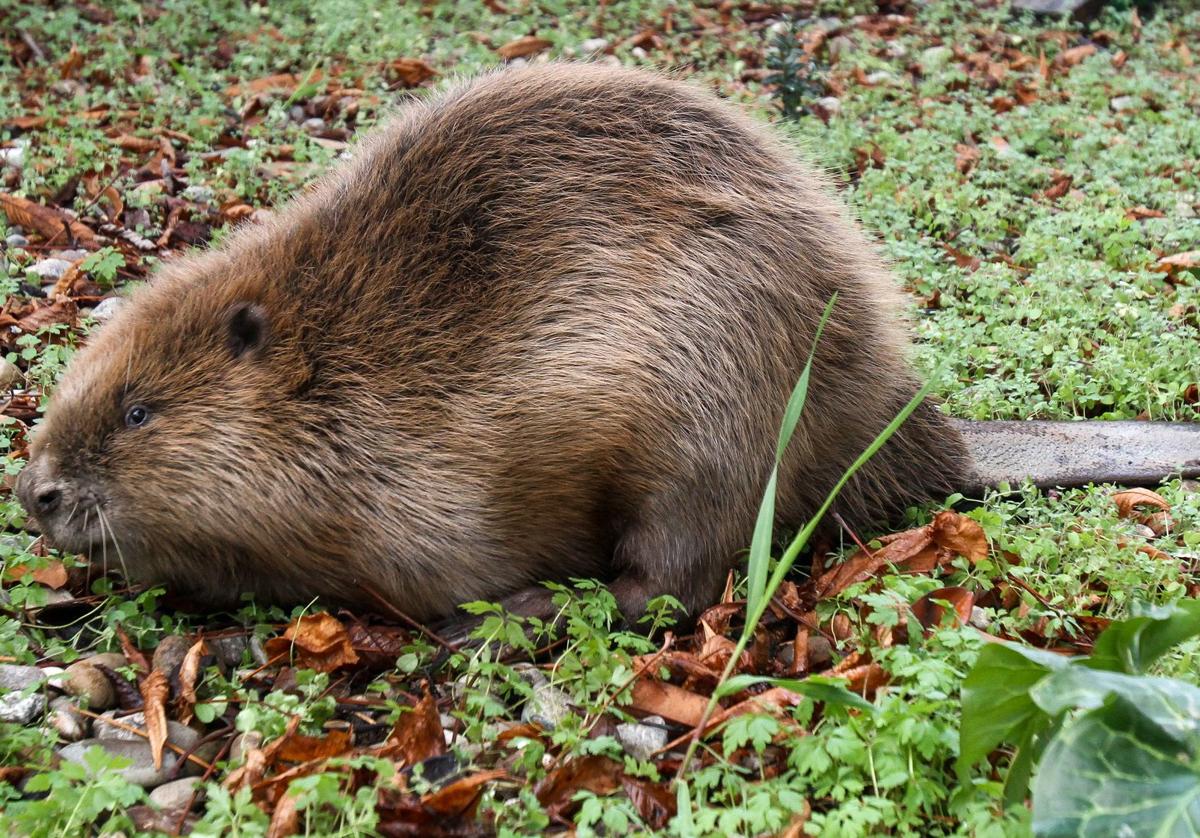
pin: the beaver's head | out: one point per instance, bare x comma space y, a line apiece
174, 446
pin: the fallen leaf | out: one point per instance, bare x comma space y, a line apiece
1138, 213
1058, 187
1072, 56
62, 310
930, 613
279, 81
285, 820
1176, 261
417, 734
965, 157
142, 145
189, 672
523, 47
597, 774
963, 260
49, 223
1128, 500
53, 575
459, 799
154, 691
297, 747
318, 641
658, 698
409, 71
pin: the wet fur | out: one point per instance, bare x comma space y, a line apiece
541, 326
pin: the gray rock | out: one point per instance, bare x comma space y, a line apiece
934, 58
839, 47
199, 194
593, 45
83, 680
20, 708
642, 741
10, 375
13, 157
243, 744
179, 735
141, 771
1126, 103
229, 650
1079, 8
50, 268
828, 106
106, 308
313, 123
16, 240
65, 717
70, 255
175, 794
979, 618
170, 652
257, 652
548, 705
15, 677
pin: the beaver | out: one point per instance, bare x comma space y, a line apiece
541, 326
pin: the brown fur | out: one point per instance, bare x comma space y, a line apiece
542, 326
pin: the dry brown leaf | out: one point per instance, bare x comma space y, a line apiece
1128, 500
189, 672
417, 734
965, 157
597, 774
129, 142
1178, 261
154, 691
1139, 212
49, 223
62, 310
964, 260
279, 81
460, 798
53, 575
960, 534
285, 820
297, 747
658, 698
930, 613
523, 47
1072, 56
318, 641
795, 828
1060, 186
410, 71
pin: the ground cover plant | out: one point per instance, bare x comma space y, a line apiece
1034, 182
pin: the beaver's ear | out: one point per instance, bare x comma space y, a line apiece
246, 326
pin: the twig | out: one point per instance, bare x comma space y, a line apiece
393, 611
33, 45
853, 535
208, 772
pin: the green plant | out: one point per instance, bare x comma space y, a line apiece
1112, 750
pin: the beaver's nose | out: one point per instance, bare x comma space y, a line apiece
46, 500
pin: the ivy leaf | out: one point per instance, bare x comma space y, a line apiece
1113, 771
1132, 645
996, 703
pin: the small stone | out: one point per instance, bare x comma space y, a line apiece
548, 705
593, 45
243, 744
16, 240
1125, 103
979, 618
1184, 210
169, 654
141, 771
827, 107
18, 708
65, 717
895, 49
638, 52
198, 193
51, 268
297, 113
16, 677
880, 77
106, 308
314, 123
820, 652
838, 47
642, 741
70, 255
229, 650
178, 734
257, 652
1078, 8
13, 157
934, 58
83, 680
175, 794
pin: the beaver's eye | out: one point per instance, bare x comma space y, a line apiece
136, 416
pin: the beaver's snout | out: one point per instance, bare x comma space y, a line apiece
55, 503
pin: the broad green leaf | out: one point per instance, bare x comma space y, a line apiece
1133, 644
1113, 771
996, 703
827, 690
1174, 706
